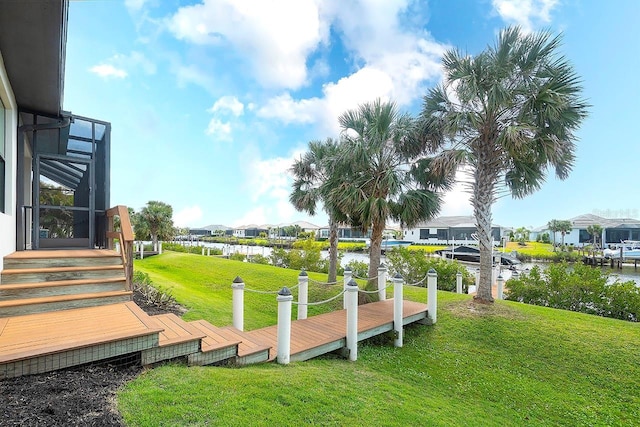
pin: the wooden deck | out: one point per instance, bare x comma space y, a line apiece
54, 340
324, 333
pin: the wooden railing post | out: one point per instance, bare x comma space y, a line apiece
397, 309
347, 278
303, 294
352, 319
284, 299
382, 282
238, 303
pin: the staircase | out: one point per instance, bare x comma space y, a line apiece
42, 281
62, 308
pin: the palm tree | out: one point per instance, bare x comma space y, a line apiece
506, 115
564, 227
553, 226
594, 231
382, 174
156, 219
311, 172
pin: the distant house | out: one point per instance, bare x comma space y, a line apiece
344, 232
251, 230
613, 230
447, 230
199, 232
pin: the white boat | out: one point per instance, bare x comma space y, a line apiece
388, 244
628, 249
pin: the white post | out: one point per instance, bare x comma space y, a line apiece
203, 251
208, 251
459, 282
238, 303
477, 279
382, 282
141, 250
347, 279
397, 310
284, 299
432, 296
500, 282
303, 294
160, 248
352, 319
515, 275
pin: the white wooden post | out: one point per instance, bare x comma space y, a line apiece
459, 282
347, 279
477, 279
303, 294
397, 310
141, 250
203, 251
284, 299
208, 251
352, 319
238, 303
500, 283
515, 275
432, 296
160, 248
382, 282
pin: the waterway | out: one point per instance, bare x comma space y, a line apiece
625, 274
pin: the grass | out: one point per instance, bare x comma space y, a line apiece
503, 364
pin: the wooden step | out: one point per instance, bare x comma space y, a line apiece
61, 258
19, 307
250, 349
60, 287
177, 339
215, 346
30, 275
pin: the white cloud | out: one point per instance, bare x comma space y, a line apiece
134, 5
219, 129
254, 216
275, 37
190, 216
229, 103
526, 13
395, 63
191, 74
107, 71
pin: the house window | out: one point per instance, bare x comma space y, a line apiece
3, 179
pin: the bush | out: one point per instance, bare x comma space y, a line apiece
414, 265
237, 256
176, 247
259, 259
152, 294
359, 268
578, 288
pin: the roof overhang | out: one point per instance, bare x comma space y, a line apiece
33, 36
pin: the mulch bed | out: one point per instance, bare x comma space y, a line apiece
78, 396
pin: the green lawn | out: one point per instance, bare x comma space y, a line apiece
506, 364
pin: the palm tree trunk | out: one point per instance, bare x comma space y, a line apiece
333, 250
374, 252
482, 210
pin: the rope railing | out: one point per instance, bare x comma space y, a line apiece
418, 282
320, 302
317, 282
256, 291
365, 278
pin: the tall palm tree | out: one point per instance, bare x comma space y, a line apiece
311, 172
156, 218
383, 174
506, 115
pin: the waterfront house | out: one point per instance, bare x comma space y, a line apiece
614, 230
447, 230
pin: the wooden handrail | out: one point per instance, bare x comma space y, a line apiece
124, 235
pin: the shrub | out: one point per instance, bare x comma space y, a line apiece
306, 255
152, 294
578, 288
359, 268
414, 265
237, 256
259, 259
176, 247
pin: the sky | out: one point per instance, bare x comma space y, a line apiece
210, 101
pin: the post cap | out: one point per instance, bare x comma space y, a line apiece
284, 292
347, 268
238, 280
382, 266
459, 273
303, 273
352, 283
500, 277
432, 271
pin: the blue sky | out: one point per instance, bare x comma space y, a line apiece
211, 100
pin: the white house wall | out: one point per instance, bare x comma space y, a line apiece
8, 218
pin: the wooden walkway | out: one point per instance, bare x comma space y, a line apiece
327, 332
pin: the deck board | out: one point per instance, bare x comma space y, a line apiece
63, 253
46, 333
328, 328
